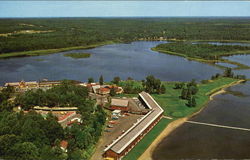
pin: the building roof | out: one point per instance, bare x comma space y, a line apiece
64, 144
104, 89
31, 82
63, 117
12, 84
131, 134
119, 102
117, 111
95, 88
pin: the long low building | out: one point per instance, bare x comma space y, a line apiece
123, 144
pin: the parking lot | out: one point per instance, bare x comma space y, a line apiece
110, 134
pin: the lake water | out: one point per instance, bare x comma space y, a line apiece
197, 141
243, 59
226, 64
134, 60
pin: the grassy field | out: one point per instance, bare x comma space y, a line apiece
136, 152
206, 53
175, 107
77, 55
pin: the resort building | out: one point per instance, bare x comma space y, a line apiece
123, 144
119, 104
22, 85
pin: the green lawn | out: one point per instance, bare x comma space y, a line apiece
137, 151
175, 107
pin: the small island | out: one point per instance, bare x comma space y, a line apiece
77, 55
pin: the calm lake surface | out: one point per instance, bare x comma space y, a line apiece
134, 60
197, 141
243, 59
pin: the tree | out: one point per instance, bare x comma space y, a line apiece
25, 151
192, 83
90, 80
228, 72
152, 84
76, 155
184, 93
6, 142
112, 92
179, 85
191, 102
193, 90
116, 80
101, 80
129, 78
162, 89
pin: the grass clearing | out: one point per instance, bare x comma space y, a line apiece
175, 107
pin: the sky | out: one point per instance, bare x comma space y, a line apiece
123, 8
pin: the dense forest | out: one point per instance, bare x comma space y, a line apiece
204, 51
28, 136
49, 33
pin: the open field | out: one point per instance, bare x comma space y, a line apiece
175, 107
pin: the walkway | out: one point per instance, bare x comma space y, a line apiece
219, 126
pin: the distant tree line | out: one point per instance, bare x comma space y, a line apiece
68, 32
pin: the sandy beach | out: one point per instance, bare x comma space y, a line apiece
147, 155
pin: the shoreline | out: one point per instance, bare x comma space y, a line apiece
55, 50
210, 62
147, 155
51, 51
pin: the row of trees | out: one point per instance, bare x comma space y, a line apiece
151, 85
228, 73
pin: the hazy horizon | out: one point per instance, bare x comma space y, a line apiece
56, 9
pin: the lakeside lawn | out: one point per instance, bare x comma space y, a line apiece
175, 107
140, 147
77, 55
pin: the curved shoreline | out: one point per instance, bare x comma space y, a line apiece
210, 62
147, 155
